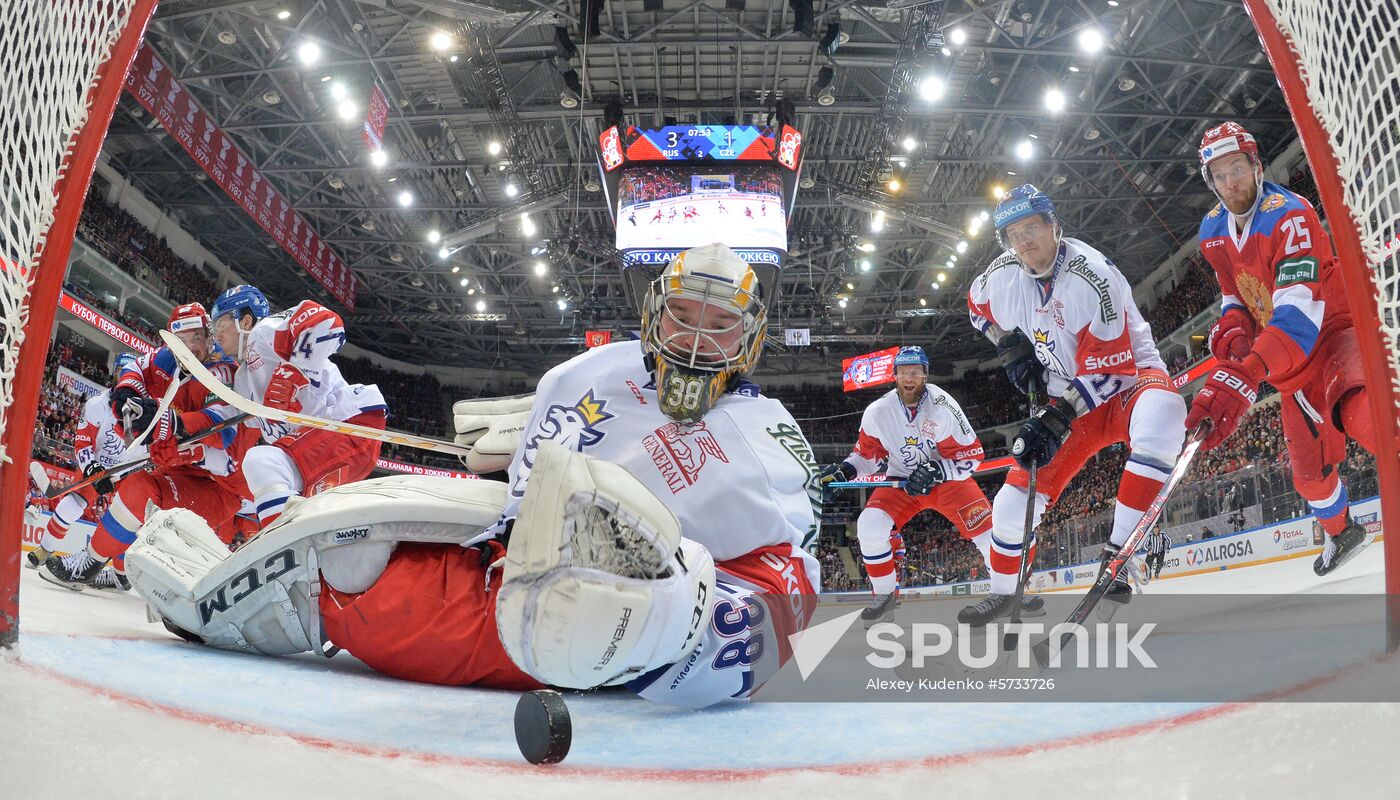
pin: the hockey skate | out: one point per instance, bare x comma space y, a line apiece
880, 610
1120, 592
35, 557
999, 605
72, 571
108, 579
1341, 548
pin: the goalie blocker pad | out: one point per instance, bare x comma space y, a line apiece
264, 597
492, 428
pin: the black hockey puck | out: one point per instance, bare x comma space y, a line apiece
543, 731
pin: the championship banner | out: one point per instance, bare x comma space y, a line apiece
154, 86
91, 316
73, 382
376, 116
871, 369
798, 337
593, 339
416, 469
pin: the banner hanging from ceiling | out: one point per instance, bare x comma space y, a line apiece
154, 86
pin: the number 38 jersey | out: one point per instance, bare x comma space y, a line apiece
1279, 267
741, 482
1082, 320
936, 430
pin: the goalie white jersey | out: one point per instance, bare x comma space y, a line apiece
936, 430
740, 481
1083, 323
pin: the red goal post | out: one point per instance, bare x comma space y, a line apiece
1339, 66
63, 65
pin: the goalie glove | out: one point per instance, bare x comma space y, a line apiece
492, 428
598, 585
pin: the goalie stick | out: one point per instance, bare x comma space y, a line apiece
1115, 565
117, 470
256, 409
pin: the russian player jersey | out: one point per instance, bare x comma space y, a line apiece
306, 337
741, 479
935, 430
1082, 320
1280, 268
97, 441
150, 375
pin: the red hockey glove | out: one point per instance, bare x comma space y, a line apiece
1232, 335
165, 442
282, 390
1229, 392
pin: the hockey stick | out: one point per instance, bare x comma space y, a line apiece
118, 470
863, 484
1125, 553
256, 409
1008, 642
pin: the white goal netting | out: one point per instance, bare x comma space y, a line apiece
1348, 57
50, 51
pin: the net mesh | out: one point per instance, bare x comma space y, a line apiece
1348, 56
50, 52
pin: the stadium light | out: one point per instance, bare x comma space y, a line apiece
434, 237
480, 306
984, 216
957, 36
309, 53
935, 285
997, 191
378, 158
909, 144
942, 276
841, 302
864, 265
346, 110
1091, 40
877, 222
464, 281
1025, 149
961, 246
850, 287
923, 302
555, 288
338, 91
866, 247
932, 88
405, 198
541, 268
284, 14
444, 253
527, 227
894, 185
494, 148
512, 190
560, 304
1054, 100
440, 40
456, 269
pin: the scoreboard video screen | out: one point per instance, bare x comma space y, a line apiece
870, 369
680, 205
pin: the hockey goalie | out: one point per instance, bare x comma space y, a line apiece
651, 533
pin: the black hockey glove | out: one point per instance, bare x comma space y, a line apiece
924, 477
138, 414
841, 471
119, 398
103, 486
1023, 369
1041, 436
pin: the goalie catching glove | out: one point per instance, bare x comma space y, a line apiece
492, 429
598, 587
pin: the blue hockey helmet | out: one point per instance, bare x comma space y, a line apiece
1017, 204
911, 354
235, 300
122, 361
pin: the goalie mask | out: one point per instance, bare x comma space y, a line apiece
703, 323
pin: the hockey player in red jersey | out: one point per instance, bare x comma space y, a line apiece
1062, 317
921, 431
202, 478
1284, 319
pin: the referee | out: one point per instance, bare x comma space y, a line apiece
1156, 552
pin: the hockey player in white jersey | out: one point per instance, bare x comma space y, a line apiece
925, 437
285, 363
1063, 319
652, 532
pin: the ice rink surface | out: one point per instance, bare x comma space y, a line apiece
101, 701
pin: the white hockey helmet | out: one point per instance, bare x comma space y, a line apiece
703, 324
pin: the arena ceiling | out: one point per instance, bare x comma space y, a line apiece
1119, 159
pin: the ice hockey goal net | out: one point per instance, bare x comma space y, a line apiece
1339, 66
62, 66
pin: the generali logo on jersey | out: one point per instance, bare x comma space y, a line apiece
681, 451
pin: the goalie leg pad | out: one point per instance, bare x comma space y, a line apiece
598, 585
264, 597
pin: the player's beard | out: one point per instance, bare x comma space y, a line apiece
911, 397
